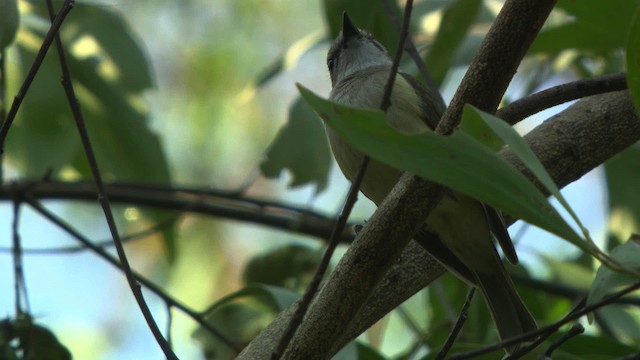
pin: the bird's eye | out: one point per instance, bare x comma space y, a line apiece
330, 63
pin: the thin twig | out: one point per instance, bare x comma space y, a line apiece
457, 327
575, 330
68, 250
527, 106
3, 101
404, 33
352, 196
313, 287
542, 338
21, 295
102, 194
46, 43
39, 208
410, 48
551, 327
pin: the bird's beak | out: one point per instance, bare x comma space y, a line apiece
348, 29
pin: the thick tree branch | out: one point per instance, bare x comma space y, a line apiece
597, 119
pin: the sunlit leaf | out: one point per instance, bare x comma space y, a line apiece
300, 147
109, 71
451, 161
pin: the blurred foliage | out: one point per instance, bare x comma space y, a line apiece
23, 339
300, 147
290, 266
9, 19
213, 118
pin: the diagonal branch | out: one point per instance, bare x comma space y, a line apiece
103, 198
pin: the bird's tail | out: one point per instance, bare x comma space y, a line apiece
509, 313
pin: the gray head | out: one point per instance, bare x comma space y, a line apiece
353, 50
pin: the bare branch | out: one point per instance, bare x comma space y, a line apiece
527, 106
103, 198
229, 205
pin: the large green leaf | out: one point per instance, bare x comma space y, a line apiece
519, 147
607, 280
109, 71
451, 161
301, 147
456, 21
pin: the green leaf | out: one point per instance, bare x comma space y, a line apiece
474, 125
9, 21
608, 280
356, 350
43, 135
34, 341
291, 266
568, 273
238, 322
633, 58
591, 347
302, 148
109, 79
275, 298
621, 321
451, 161
455, 24
622, 187
519, 147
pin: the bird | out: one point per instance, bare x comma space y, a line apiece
459, 231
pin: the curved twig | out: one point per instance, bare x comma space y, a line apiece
527, 106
